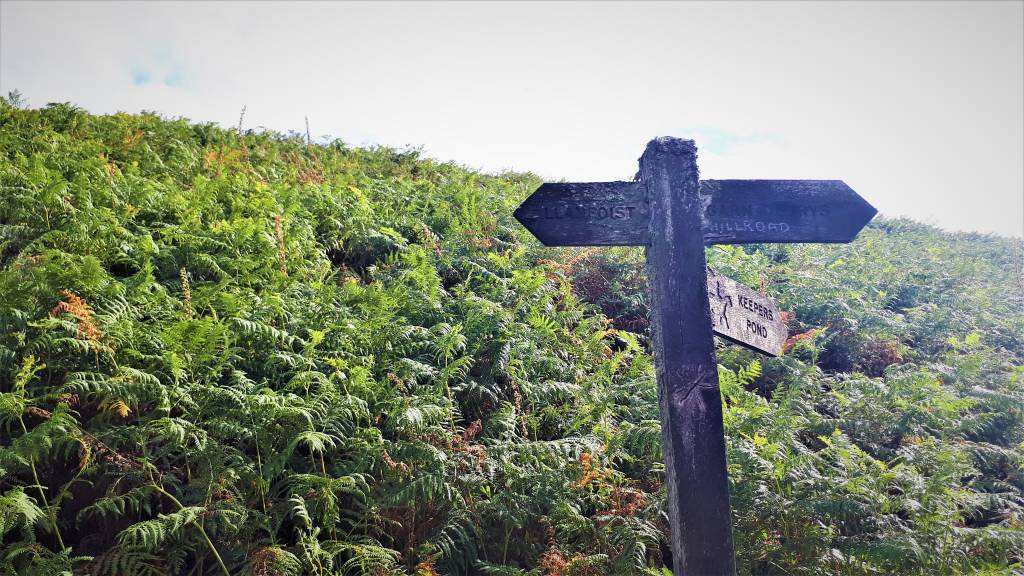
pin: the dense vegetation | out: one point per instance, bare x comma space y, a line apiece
232, 352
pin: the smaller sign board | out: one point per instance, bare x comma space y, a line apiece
745, 316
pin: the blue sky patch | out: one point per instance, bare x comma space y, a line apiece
716, 141
160, 65
139, 76
175, 76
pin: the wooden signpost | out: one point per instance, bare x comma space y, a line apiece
674, 214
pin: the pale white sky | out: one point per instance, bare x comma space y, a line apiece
918, 106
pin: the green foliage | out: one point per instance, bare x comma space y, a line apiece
228, 352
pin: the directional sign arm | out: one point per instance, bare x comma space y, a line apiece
587, 214
745, 211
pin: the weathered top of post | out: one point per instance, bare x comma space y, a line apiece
673, 163
670, 145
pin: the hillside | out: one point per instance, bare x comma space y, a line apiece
231, 352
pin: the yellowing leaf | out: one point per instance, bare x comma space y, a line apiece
120, 408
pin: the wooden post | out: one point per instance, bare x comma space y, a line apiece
684, 355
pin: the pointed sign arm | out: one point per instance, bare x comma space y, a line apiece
587, 214
745, 211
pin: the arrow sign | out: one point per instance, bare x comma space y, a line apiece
736, 212
744, 211
745, 316
587, 214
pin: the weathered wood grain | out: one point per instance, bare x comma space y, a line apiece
745, 316
684, 355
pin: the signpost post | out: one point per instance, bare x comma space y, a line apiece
671, 212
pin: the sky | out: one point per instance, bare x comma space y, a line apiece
918, 106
